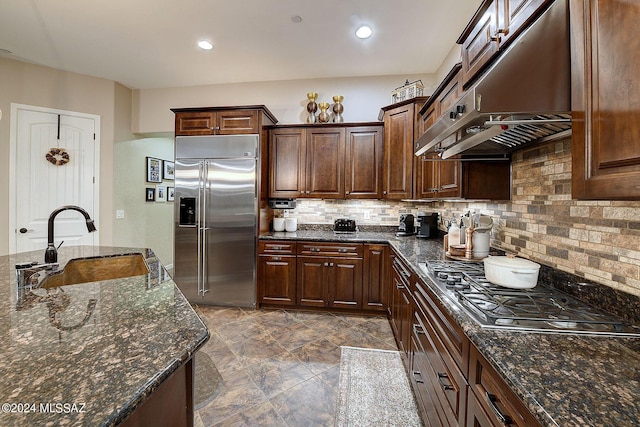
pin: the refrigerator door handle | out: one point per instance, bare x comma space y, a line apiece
199, 223
203, 228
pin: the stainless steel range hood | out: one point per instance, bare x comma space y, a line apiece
524, 97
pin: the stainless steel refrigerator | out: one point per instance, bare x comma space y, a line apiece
216, 223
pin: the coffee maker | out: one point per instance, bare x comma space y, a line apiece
427, 225
406, 227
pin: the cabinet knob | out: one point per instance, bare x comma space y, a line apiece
384, 192
215, 128
346, 192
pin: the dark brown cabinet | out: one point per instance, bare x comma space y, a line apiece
221, 120
500, 405
277, 273
325, 161
605, 117
329, 275
400, 305
375, 277
287, 162
495, 24
401, 127
363, 162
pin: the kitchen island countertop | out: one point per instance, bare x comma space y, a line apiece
564, 379
91, 353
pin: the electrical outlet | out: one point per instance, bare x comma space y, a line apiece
367, 214
286, 213
120, 214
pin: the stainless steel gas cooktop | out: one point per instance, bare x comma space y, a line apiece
540, 309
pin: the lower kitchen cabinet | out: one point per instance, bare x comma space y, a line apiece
495, 403
435, 371
375, 276
276, 273
329, 282
329, 275
400, 305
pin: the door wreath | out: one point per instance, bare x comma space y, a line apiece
57, 156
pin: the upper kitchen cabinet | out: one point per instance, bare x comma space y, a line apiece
606, 118
494, 25
222, 120
363, 162
401, 127
434, 178
333, 161
325, 163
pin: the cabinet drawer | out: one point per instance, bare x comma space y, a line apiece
282, 247
447, 382
493, 395
331, 249
402, 271
453, 338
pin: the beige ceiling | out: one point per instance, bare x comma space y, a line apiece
152, 43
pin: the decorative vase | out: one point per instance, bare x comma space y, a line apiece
323, 117
338, 108
312, 107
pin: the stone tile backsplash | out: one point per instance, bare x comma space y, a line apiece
597, 240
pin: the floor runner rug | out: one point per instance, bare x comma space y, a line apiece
374, 390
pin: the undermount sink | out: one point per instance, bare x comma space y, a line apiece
85, 270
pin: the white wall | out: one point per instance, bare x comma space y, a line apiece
29, 84
145, 224
287, 100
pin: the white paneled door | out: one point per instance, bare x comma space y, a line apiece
55, 164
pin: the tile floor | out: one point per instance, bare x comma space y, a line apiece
281, 368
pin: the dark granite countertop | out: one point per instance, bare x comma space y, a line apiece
101, 346
564, 380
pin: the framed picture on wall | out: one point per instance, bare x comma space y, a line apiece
161, 193
171, 194
150, 194
169, 170
154, 170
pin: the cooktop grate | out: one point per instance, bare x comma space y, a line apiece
539, 309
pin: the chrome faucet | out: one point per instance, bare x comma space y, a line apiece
51, 254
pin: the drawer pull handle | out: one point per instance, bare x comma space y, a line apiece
314, 249
276, 258
444, 386
419, 330
491, 400
343, 250
417, 374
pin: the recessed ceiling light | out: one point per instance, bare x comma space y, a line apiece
364, 32
296, 18
205, 44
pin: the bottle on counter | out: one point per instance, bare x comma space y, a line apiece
454, 233
463, 234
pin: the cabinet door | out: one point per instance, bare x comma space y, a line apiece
345, 284
325, 163
312, 289
234, 122
426, 177
514, 17
476, 417
276, 279
363, 163
605, 79
195, 123
481, 43
374, 277
449, 178
398, 153
287, 160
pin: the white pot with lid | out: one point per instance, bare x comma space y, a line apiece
511, 272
